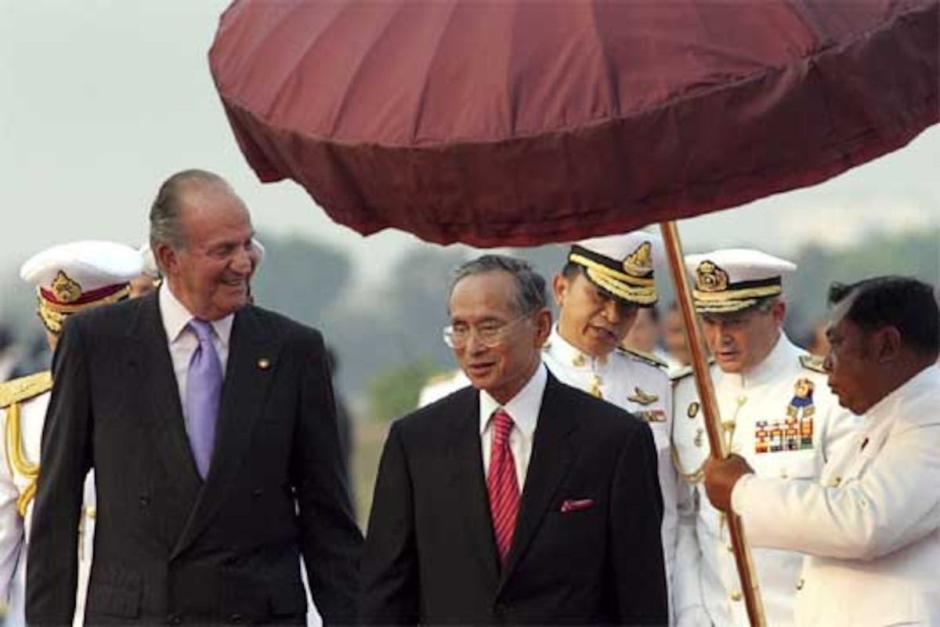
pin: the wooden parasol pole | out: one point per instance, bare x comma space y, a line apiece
706, 394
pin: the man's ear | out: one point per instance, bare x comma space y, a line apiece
167, 259
779, 311
560, 286
543, 326
887, 343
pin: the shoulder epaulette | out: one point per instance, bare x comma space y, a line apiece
25, 388
643, 356
686, 371
812, 362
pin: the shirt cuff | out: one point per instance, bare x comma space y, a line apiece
738, 493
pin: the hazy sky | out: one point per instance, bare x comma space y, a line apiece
100, 100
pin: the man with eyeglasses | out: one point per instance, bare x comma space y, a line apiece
600, 292
519, 499
776, 411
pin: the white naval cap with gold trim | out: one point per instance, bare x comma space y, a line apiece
622, 265
74, 276
735, 279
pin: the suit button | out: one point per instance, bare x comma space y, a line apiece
236, 618
144, 500
257, 493
736, 596
174, 619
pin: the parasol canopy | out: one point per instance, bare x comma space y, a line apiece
520, 123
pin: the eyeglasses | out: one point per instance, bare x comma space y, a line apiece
489, 334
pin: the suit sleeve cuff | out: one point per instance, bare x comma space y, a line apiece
739, 493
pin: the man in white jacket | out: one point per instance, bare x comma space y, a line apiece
871, 526
68, 278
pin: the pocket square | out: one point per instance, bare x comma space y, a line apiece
574, 505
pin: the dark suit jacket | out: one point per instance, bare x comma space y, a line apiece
430, 556
168, 546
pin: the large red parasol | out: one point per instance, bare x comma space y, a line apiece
519, 122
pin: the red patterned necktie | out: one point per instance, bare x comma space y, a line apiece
502, 484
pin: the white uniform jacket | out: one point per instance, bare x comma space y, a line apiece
871, 526
23, 405
640, 385
783, 419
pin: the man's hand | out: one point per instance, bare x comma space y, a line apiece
720, 477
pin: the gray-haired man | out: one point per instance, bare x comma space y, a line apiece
519, 499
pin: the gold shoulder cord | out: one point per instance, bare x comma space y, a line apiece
727, 429
18, 459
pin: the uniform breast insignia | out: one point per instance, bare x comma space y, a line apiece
642, 398
596, 383
692, 410
793, 433
652, 415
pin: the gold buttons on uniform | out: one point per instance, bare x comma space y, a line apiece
783, 473
736, 596
836, 482
730, 549
799, 584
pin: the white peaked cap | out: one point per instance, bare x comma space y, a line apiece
733, 279
621, 264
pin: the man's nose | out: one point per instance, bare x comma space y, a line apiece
244, 261
612, 311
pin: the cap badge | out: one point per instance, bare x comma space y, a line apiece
640, 262
710, 278
65, 289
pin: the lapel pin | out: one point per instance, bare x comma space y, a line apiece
264, 363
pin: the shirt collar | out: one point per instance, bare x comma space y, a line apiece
926, 380
571, 356
523, 407
783, 354
176, 317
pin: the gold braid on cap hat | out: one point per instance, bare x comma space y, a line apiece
66, 297
715, 293
630, 280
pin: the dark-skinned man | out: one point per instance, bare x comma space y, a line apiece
870, 526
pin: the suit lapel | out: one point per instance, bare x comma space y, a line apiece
551, 459
251, 363
469, 486
148, 358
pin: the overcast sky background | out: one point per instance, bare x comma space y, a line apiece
101, 100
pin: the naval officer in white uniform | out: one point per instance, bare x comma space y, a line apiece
871, 525
603, 285
68, 278
776, 411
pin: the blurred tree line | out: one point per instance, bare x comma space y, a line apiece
387, 338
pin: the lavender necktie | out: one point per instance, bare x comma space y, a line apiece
203, 391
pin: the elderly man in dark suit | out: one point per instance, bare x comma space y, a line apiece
519, 499
211, 426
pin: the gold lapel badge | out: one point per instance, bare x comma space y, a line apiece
642, 398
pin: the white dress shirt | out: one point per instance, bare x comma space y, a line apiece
183, 341
523, 408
